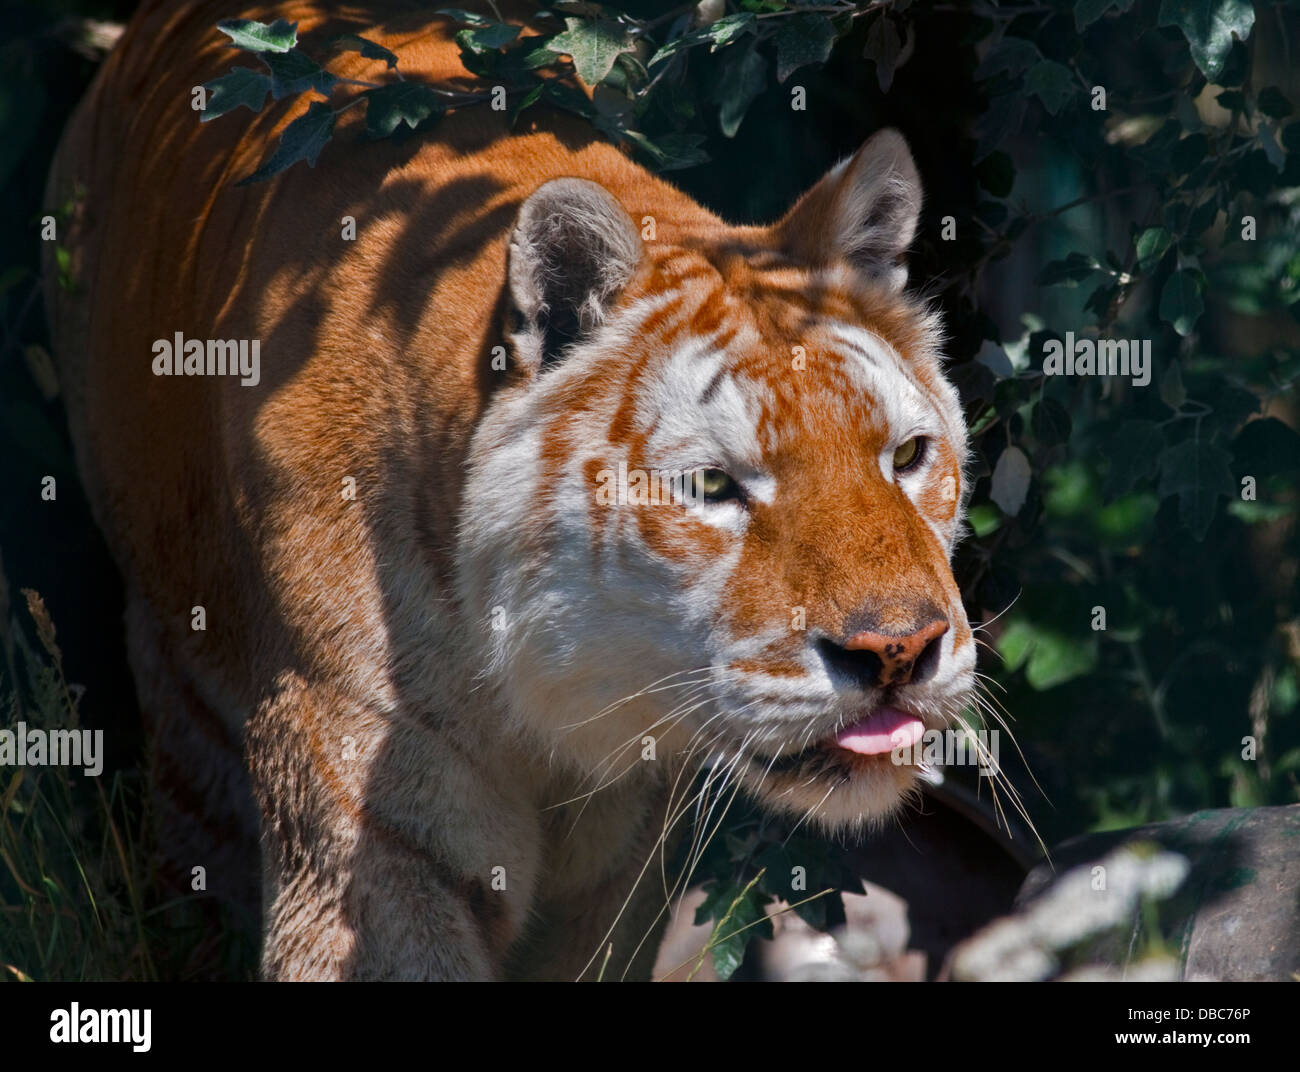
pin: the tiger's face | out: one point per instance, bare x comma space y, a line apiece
713, 519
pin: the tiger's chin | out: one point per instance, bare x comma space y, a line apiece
835, 789
852, 779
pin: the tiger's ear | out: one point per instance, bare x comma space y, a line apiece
863, 211
573, 249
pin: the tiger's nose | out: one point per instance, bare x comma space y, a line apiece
876, 660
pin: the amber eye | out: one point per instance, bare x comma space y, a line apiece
712, 485
908, 455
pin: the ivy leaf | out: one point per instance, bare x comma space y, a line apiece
525, 102
1209, 26
1180, 301
388, 107
368, 49
1172, 392
593, 45
802, 40
1071, 271
744, 77
721, 33
302, 139
243, 87
728, 28
1011, 481
737, 912
1152, 244
279, 36
1052, 83
295, 72
884, 46
1198, 473
1004, 115
670, 152
1051, 422
1086, 12
487, 38
1012, 55
1134, 452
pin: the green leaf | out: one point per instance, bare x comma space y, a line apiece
1086, 12
883, 47
1052, 83
1050, 658
1232, 99
1180, 301
728, 29
1004, 115
1273, 104
744, 78
388, 107
1152, 244
739, 918
593, 45
1071, 271
243, 87
368, 49
295, 72
1051, 422
524, 103
1134, 453
1172, 392
670, 152
1199, 474
302, 139
801, 40
279, 36
1209, 26
487, 38
1012, 55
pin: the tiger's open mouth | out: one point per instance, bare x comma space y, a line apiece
877, 734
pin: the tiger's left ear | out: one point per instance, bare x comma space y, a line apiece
864, 211
573, 249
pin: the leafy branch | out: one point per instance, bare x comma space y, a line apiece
585, 58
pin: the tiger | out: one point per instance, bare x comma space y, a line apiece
427, 678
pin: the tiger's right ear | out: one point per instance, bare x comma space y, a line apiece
573, 249
863, 212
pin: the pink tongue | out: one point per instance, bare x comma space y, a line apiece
887, 729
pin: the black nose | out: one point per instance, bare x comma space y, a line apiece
873, 660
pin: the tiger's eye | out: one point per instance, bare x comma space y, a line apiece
908, 454
712, 485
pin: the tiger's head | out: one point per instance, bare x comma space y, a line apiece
713, 515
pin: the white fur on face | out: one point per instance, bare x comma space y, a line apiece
589, 615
